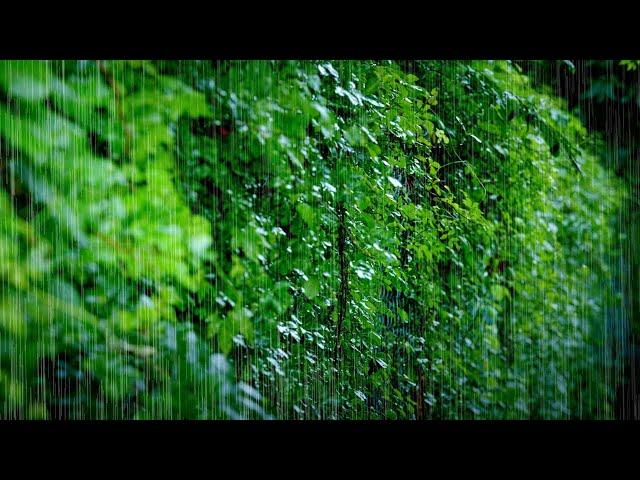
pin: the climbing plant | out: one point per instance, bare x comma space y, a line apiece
301, 239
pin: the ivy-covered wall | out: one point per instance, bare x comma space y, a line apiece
309, 240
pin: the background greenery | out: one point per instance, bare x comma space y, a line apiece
306, 240
605, 96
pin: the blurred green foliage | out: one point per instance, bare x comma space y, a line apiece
605, 95
309, 240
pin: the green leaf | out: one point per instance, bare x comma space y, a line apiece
395, 182
307, 214
312, 288
25, 79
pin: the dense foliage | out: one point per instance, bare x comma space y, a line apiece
604, 95
300, 240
